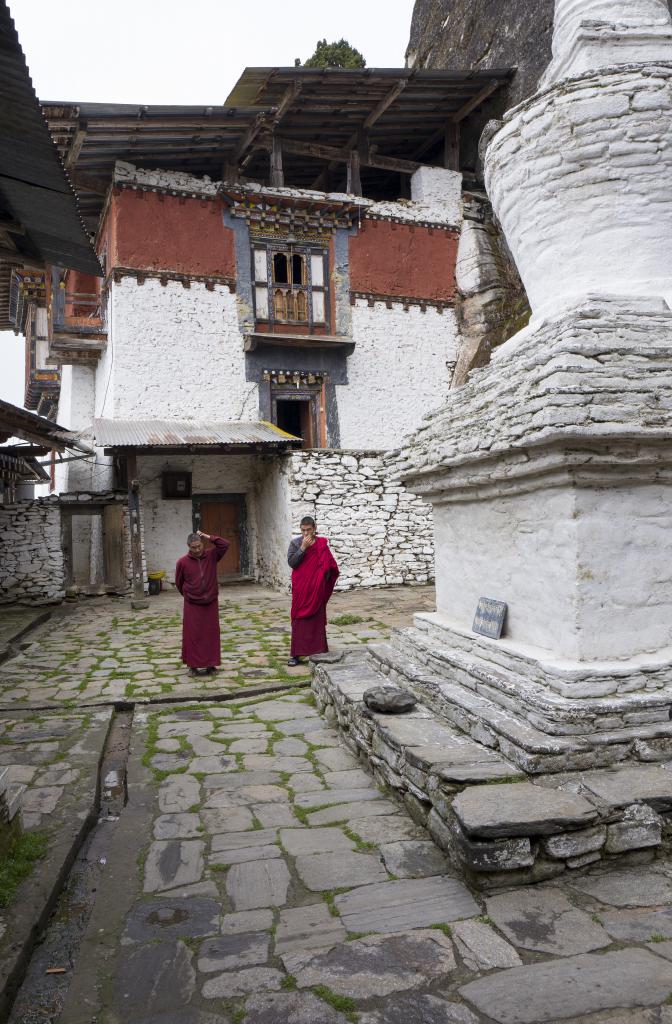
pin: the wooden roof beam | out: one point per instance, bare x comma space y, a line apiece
75, 147
12, 227
331, 153
459, 115
241, 154
88, 183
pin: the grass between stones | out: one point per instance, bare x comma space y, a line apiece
346, 620
23, 853
344, 1004
288, 983
445, 928
329, 895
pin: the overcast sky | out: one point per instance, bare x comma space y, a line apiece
182, 51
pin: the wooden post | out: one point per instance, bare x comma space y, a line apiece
451, 149
277, 176
138, 598
354, 184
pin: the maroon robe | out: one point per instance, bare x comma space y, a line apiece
313, 582
196, 580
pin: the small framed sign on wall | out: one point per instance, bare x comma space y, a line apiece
176, 484
489, 618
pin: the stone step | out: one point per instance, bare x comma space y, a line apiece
480, 809
500, 722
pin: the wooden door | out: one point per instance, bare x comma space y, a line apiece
223, 519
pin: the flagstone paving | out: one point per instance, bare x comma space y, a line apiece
258, 875
230, 915
101, 650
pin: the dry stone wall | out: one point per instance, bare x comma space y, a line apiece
31, 558
380, 533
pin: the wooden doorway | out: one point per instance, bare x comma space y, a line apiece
225, 516
92, 537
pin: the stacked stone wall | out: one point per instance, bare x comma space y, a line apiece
31, 557
380, 533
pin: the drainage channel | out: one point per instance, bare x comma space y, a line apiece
42, 993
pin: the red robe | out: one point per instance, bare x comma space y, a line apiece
196, 580
313, 582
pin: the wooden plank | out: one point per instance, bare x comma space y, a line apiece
386, 102
113, 548
75, 147
476, 100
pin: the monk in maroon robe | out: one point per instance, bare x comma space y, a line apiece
196, 580
314, 575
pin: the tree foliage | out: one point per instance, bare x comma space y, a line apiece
333, 55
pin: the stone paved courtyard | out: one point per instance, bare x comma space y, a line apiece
258, 875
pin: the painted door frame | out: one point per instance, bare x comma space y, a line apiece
240, 501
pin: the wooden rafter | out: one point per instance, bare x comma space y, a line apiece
75, 147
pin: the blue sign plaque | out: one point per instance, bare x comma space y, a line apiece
489, 618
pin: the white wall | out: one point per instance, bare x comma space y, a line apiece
400, 370
167, 522
178, 354
76, 412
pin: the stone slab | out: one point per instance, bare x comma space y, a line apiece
413, 858
390, 828
227, 819
274, 815
377, 965
337, 796
245, 854
520, 809
231, 952
648, 784
258, 884
173, 862
350, 812
561, 989
161, 918
177, 826
637, 888
336, 759
290, 1008
297, 841
153, 978
543, 919
349, 778
308, 928
247, 921
240, 983
638, 925
426, 1009
179, 793
408, 903
481, 948
321, 871
243, 840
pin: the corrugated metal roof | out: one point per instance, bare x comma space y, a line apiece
187, 434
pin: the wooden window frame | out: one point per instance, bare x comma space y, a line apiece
291, 292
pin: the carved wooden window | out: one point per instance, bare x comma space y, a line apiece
290, 285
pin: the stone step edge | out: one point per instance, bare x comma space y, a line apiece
492, 724
636, 828
538, 697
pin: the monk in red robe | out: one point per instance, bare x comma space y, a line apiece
196, 580
314, 575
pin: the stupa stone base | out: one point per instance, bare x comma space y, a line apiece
498, 825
